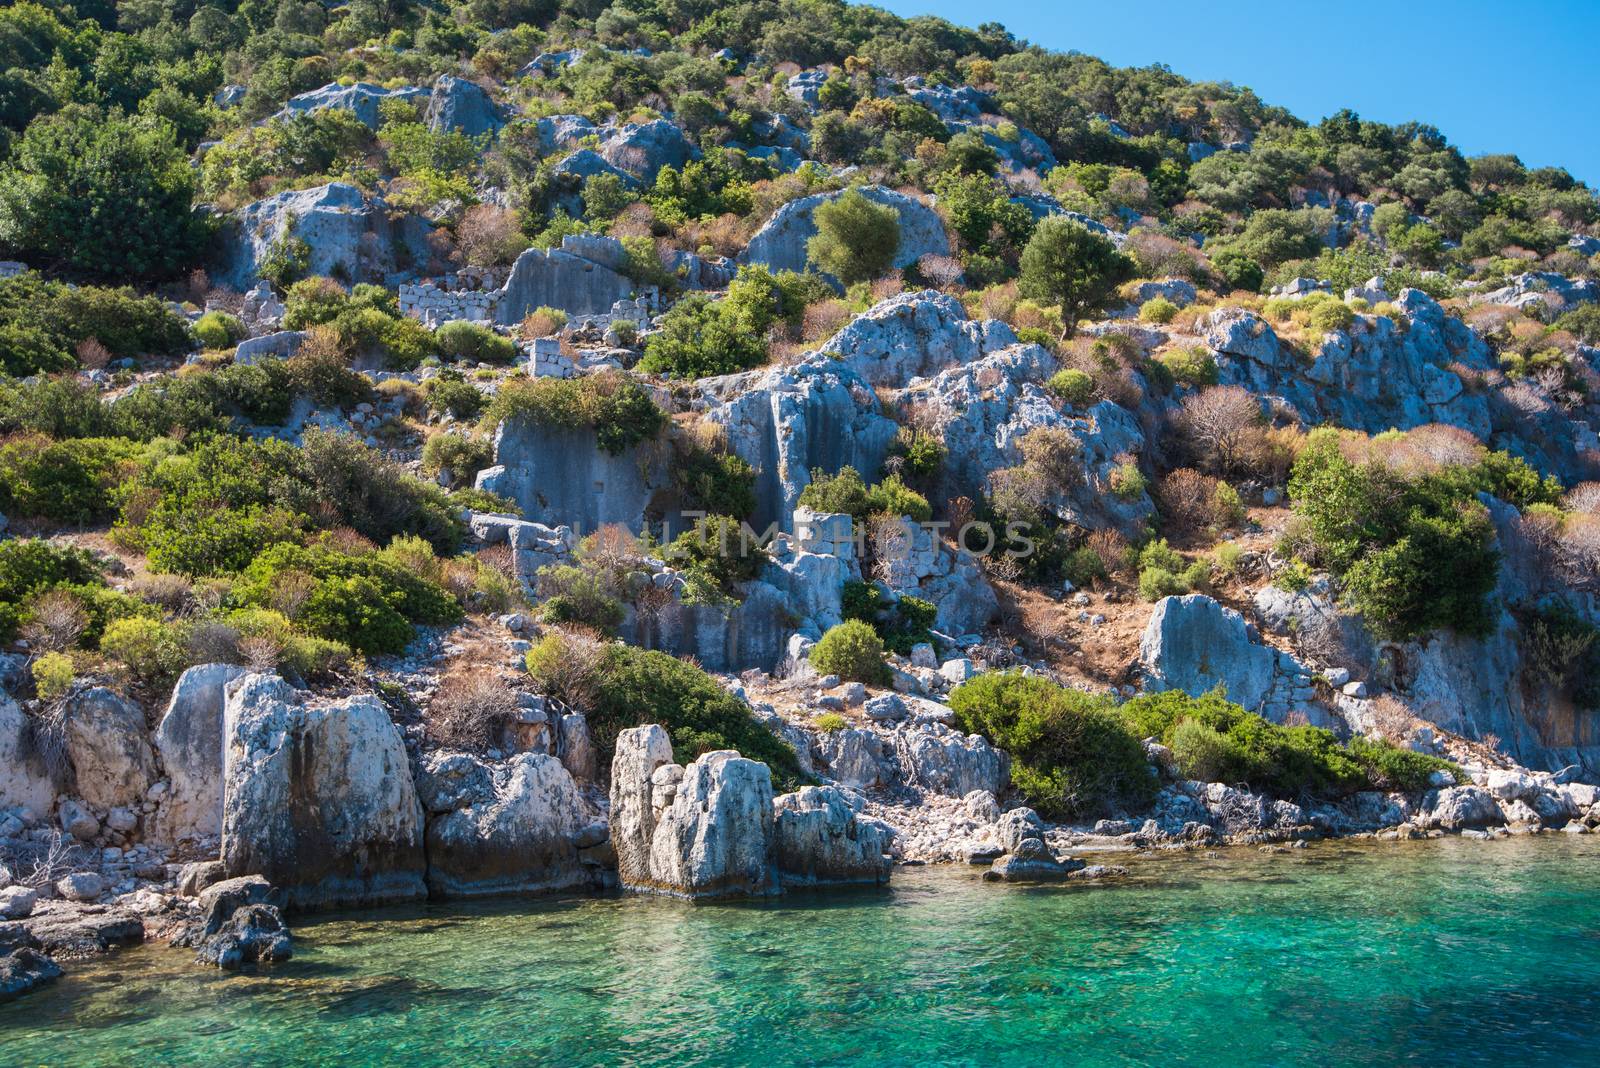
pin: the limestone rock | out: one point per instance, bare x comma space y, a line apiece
349, 234
457, 104
1194, 644
25, 780
914, 335
190, 742
362, 99
81, 886
699, 831
280, 344
715, 838
318, 799
24, 969
108, 748
853, 757
515, 837
1465, 806
781, 241
945, 761
558, 278
253, 934
819, 840
16, 902
642, 149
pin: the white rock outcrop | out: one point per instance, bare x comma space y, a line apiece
318, 799
820, 840
190, 742
25, 781
108, 748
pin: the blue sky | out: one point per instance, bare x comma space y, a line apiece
1494, 77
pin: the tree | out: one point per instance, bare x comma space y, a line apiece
101, 194
856, 239
1066, 264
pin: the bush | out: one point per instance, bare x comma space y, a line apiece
1067, 266
701, 337
615, 406
1193, 366
1414, 553
631, 687
152, 651
1157, 310
856, 239
574, 595
29, 567
462, 456
73, 172
461, 340
66, 481
219, 330
852, 650
1072, 757
829, 722
846, 492
43, 325
1330, 315
52, 676
449, 392
1072, 386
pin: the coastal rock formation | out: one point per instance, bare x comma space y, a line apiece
639, 754
190, 742
25, 779
318, 799
108, 748
713, 834
780, 244
509, 828
935, 757
819, 839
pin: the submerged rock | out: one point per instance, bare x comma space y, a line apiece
25, 969
252, 934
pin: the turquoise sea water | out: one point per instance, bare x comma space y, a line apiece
1443, 952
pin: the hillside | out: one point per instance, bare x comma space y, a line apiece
433, 435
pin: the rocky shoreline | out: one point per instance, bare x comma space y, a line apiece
316, 803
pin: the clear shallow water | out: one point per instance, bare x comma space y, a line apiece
1433, 952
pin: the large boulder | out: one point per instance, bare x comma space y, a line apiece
361, 99
190, 742
643, 148
699, 831
318, 798
714, 838
109, 748
25, 779
936, 758
463, 106
1461, 807
349, 235
788, 421
1194, 644
819, 840
513, 833
855, 757
640, 753
914, 335
559, 278
780, 244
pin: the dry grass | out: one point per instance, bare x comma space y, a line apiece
472, 709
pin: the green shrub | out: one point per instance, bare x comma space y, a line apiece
464, 457
1128, 483
1072, 757
846, 492
1072, 386
856, 239
152, 651
574, 595
42, 324
219, 330
462, 340
852, 650
1194, 366
449, 392
615, 406
66, 481
1157, 582
1067, 266
1330, 315
1414, 553
52, 676
1157, 310
631, 687
711, 481
701, 337
828, 722
29, 567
